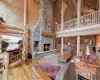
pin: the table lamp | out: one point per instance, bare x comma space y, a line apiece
87, 57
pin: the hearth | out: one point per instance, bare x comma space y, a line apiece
46, 47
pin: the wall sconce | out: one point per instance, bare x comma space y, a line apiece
85, 40
68, 43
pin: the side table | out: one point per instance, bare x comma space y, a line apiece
86, 73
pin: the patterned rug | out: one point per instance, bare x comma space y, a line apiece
52, 59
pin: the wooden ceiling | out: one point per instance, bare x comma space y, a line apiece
12, 11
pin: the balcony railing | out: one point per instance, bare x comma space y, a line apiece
89, 19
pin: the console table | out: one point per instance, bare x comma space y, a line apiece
86, 73
13, 56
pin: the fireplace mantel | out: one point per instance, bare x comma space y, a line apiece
47, 34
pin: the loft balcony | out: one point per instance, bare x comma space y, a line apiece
89, 24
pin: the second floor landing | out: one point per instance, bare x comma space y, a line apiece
89, 25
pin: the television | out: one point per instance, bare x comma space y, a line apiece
10, 43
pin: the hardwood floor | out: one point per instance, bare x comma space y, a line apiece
19, 71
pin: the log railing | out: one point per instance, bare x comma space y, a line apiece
86, 20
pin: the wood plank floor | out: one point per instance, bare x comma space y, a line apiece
19, 71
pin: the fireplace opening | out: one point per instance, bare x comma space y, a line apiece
46, 47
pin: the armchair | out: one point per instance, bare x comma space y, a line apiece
67, 72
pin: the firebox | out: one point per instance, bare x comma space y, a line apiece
46, 47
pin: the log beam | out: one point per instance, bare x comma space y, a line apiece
7, 26
10, 31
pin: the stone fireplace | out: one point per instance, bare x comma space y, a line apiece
44, 24
46, 47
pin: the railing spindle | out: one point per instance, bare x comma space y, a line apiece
96, 17
90, 18
93, 18
99, 16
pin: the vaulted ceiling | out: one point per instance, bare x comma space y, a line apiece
70, 12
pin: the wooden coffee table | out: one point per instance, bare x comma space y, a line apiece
64, 57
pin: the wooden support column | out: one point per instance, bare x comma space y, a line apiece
62, 24
25, 42
78, 45
78, 24
78, 12
25, 12
62, 41
62, 16
54, 27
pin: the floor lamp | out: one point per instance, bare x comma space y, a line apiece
87, 57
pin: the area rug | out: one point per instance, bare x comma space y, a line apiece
52, 59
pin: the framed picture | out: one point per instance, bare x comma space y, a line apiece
91, 42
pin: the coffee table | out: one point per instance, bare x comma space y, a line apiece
64, 57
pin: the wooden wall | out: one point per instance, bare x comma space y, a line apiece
13, 11
98, 45
98, 40
57, 11
33, 12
